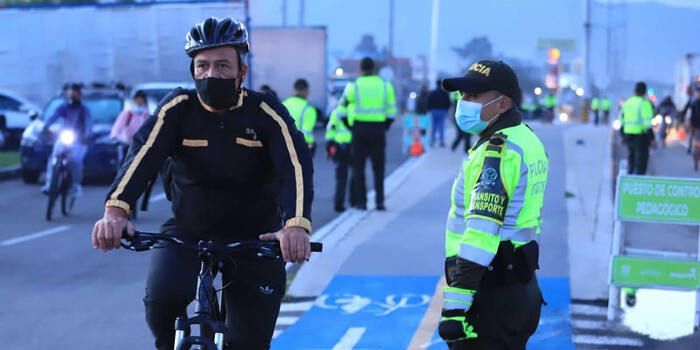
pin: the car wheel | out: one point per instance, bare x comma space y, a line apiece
30, 176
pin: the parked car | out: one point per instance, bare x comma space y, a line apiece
101, 160
15, 111
155, 92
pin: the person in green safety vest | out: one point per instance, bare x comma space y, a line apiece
338, 139
303, 112
492, 299
370, 104
605, 106
595, 107
550, 103
637, 113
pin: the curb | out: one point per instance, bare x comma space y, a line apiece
10, 172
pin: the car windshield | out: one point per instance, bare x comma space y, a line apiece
103, 109
157, 95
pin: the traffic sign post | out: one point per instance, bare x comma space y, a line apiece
654, 200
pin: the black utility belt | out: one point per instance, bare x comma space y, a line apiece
512, 265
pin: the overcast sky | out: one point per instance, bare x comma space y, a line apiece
647, 43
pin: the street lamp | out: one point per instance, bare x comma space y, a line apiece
538, 91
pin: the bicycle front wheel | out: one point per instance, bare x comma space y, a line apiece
54, 184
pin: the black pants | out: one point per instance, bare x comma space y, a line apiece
638, 157
342, 159
368, 141
596, 117
504, 317
252, 299
461, 135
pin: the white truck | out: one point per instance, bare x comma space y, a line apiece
281, 55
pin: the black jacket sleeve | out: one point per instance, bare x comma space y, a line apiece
292, 161
152, 144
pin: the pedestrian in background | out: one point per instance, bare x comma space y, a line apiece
694, 121
370, 105
129, 122
637, 113
338, 139
438, 105
303, 112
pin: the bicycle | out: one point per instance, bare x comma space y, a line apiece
210, 313
61, 180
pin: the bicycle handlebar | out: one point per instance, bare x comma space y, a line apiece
142, 241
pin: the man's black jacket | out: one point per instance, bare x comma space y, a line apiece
233, 175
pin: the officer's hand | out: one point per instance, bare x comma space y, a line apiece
107, 232
456, 328
294, 243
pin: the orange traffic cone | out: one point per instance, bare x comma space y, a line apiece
416, 148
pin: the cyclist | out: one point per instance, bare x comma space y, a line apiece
76, 117
239, 170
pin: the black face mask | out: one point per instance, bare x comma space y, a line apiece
218, 93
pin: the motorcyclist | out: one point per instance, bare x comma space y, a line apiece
75, 116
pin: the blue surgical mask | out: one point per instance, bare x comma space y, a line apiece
468, 116
139, 109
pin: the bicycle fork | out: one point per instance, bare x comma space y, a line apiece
204, 315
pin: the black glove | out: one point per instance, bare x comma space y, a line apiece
456, 328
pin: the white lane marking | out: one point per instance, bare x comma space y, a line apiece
431, 343
157, 198
603, 340
589, 310
589, 324
32, 236
350, 339
286, 321
291, 307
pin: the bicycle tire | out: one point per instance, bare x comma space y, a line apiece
67, 200
53, 189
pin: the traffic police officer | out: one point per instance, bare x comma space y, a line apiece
303, 112
595, 107
605, 105
492, 300
371, 106
637, 113
338, 138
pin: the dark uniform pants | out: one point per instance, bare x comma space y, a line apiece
252, 299
342, 159
369, 141
459, 136
504, 317
638, 157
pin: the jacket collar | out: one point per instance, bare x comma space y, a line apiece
508, 119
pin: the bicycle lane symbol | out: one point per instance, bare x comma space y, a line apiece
349, 304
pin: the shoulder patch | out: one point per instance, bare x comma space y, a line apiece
489, 197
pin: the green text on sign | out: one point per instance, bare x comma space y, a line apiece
658, 199
649, 272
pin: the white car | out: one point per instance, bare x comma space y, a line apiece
17, 111
155, 92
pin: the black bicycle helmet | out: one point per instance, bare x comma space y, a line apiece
215, 32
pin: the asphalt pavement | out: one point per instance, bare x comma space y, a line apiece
60, 293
